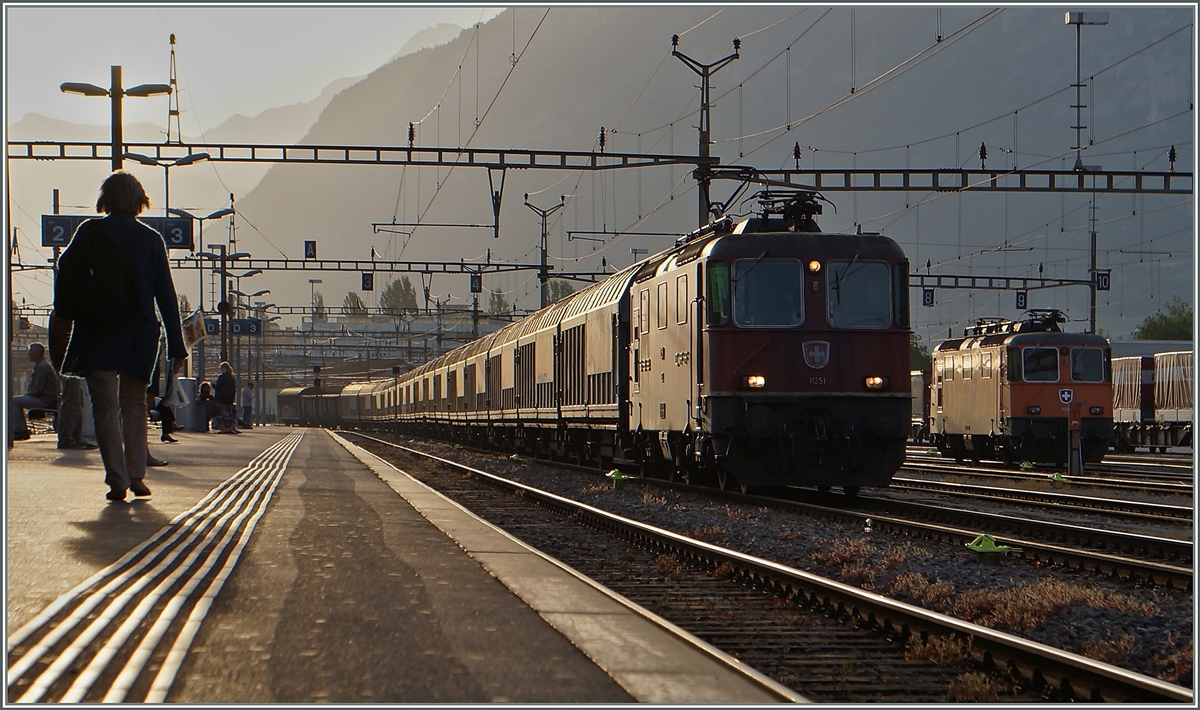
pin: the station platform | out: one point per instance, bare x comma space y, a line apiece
353, 582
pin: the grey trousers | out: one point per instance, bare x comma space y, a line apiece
16, 412
119, 410
70, 412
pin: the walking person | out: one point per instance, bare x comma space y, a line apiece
111, 277
247, 397
225, 391
42, 394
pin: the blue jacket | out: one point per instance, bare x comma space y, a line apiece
132, 348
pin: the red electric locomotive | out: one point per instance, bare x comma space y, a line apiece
1015, 391
763, 353
796, 370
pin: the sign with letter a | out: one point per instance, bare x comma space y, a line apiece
310, 249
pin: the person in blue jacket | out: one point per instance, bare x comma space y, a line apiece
117, 361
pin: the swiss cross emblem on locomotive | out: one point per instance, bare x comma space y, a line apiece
1065, 396
816, 354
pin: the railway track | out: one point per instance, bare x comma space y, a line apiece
1152, 512
1142, 467
1033, 669
1168, 486
1164, 561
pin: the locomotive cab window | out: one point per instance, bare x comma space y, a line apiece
767, 292
1040, 364
985, 365
968, 361
1087, 365
859, 294
718, 293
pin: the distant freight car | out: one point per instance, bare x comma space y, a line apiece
1014, 391
762, 353
1152, 401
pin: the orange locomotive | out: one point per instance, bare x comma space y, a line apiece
1014, 391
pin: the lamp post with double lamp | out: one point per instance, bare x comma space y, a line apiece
201, 255
223, 305
185, 160
116, 93
235, 308
250, 366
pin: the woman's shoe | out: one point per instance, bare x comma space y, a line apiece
156, 462
168, 439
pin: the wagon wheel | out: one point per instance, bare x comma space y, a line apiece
823, 489
850, 491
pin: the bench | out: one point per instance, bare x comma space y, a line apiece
39, 414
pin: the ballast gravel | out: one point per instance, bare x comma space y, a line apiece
1140, 628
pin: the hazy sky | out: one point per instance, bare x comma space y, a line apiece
229, 59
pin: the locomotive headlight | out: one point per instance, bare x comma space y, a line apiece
1034, 409
1097, 410
876, 383
756, 381
814, 266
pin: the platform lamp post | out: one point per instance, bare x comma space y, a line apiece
201, 255
236, 308
116, 93
248, 296
260, 369
185, 160
223, 305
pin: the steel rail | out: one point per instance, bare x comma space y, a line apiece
1177, 487
994, 649
1158, 512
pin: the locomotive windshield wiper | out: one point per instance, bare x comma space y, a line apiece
842, 276
748, 268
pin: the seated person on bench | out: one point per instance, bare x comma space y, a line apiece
42, 394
